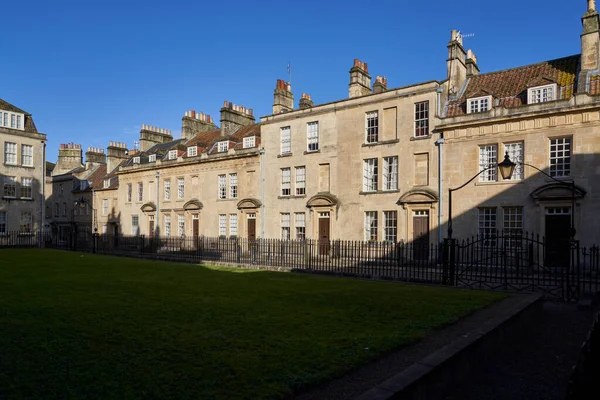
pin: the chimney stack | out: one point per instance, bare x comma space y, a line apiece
117, 152
283, 99
194, 123
456, 63
590, 45
233, 117
69, 158
151, 135
305, 102
94, 156
471, 64
360, 80
380, 84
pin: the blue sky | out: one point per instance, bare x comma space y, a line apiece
94, 71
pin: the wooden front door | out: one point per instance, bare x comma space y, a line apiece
323, 233
558, 226
251, 228
195, 225
421, 235
151, 228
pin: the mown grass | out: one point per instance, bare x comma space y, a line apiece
90, 327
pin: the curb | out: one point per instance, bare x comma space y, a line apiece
428, 378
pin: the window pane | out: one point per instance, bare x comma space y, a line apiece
515, 153
488, 157
285, 140
422, 118
370, 175
372, 127
312, 136
300, 181
560, 157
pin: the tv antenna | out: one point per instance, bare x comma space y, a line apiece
462, 36
136, 144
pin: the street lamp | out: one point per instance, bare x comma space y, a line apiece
506, 168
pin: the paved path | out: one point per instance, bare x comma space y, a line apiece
535, 364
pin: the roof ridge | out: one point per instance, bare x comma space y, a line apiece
528, 65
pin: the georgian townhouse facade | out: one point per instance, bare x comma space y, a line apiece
363, 168
205, 184
546, 115
22, 172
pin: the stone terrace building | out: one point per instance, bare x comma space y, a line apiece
22, 172
547, 115
206, 183
362, 168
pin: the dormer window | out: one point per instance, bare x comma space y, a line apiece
106, 183
12, 120
172, 154
152, 158
223, 146
249, 141
192, 151
84, 185
541, 94
136, 160
479, 104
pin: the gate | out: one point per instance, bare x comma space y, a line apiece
514, 263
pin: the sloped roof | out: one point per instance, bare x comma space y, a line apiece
509, 87
29, 125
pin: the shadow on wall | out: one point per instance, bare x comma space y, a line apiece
21, 204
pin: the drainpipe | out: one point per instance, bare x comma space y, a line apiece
439, 144
439, 101
43, 200
262, 193
157, 176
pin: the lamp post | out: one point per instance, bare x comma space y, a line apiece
506, 168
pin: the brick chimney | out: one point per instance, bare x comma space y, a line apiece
94, 156
305, 101
456, 63
283, 99
471, 64
360, 80
233, 117
590, 45
380, 84
151, 135
117, 152
69, 158
194, 123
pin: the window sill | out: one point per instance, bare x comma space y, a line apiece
284, 155
378, 192
312, 152
494, 183
301, 196
425, 137
11, 164
227, 199
383, 142
28, 166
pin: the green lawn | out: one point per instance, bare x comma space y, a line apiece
78, 326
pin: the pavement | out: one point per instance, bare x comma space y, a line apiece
534, 363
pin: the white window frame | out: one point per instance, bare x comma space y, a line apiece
233, 186
300, 225
104, 207
422, 119
180, 225
10, 187
370, 172
26, 155
249, 142
26, 188
152, 158
172, 154
487, 220
106, 183
223, 146
542, 94
300, 185
390, 173
192, 151
286, 182
10, 153
372, 127
285, 140
488, 157
222, 187
390, 226
180, 188
479, 104
516, 153
135, 224
136, 160
560, 156
312, 136
223, 225
129, 192
512, 223
233, 225
285, 226
140, 196
26, 222
167, 225
167, 189
370, 226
